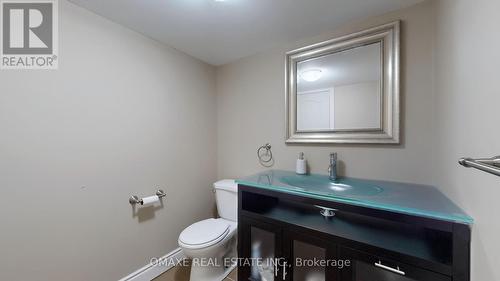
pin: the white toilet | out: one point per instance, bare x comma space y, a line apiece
211, 243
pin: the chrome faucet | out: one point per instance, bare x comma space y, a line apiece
332, 169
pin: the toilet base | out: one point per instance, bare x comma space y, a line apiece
215, 262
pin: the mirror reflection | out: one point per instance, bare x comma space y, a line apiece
341, 91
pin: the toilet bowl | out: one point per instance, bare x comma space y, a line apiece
211, 243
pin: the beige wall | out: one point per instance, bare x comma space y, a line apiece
251, 111
467, 100
124, 114
121, 116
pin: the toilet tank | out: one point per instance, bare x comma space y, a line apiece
226, 197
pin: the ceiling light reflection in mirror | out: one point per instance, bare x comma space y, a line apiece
311, 75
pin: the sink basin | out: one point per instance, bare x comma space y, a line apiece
322, 184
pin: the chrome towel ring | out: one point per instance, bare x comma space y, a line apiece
265, 155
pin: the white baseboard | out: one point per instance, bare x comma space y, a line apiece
151, 271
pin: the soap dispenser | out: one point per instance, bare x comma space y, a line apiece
301, 167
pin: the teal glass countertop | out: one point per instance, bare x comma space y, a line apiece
406, 198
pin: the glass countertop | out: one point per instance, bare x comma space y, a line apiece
407, 198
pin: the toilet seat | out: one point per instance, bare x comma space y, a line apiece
204, 233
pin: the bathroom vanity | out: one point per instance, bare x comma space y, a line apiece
308, 228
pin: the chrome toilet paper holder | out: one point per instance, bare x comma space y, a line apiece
136, 200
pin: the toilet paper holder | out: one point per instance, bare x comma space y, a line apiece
136, 200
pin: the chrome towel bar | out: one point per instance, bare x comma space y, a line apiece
489, 165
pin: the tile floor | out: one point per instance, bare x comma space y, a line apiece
181, 273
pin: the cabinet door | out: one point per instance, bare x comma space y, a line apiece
366, 267
308, 258
260, 248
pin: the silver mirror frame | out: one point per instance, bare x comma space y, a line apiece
389, 36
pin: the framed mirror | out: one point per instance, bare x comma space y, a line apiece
345, 90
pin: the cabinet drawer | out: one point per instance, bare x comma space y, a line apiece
366, 267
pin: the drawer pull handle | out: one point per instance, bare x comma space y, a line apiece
326, 212
395, 270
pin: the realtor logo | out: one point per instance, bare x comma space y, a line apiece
29, 34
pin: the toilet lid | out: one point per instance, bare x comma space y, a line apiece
206, 232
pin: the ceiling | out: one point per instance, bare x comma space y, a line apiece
219, 32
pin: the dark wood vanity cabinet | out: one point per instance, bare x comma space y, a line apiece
289, 239
284, 246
